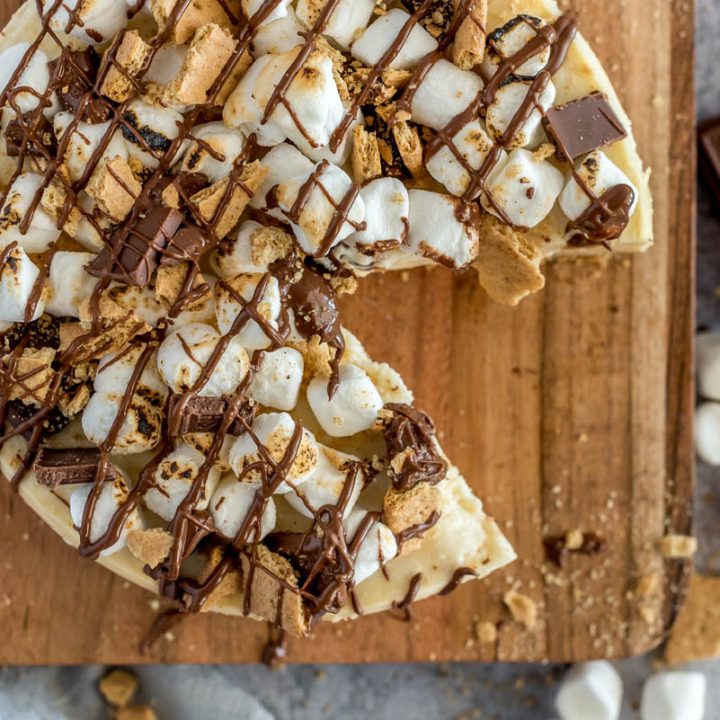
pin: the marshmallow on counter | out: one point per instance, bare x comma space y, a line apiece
251, 250
24, 199
276, 383
378, 547
348, 18
275, 433
316, 108
474, 144
591, 690
173, 480
185, 353
600, 174
318, 214
327, 484
445, 92
68, 283
674, 696
375, 42
282, 162
158, 126
708, 365
93, 21
251, 334
505, 106
115, 371
510, 39
166, 64
35, 75
18, 276
525, 189
353, 408
387, 211
251, 7
231, 503
226, 145
113, 495
707, 432
438, 231
278, 36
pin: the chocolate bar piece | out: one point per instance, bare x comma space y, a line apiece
76, 72
709, 142
55, 467
584, 125
206, 414
188, 244
37, 133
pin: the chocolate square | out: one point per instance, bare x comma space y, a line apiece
205, 414
55, 466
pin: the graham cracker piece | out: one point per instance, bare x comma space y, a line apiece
136, 712
508, 265
114, 335
523, 608
696, 634
150, 546
33, 374
405, 510
72, 405
197, 14
114, 188
118, 687
170, 280
678, 547
69, 332
409, 145
231, 584
469, 46
366, 163
268, 244
53, 202
129, 59
318, 357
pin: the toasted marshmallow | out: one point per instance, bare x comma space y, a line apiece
378, 547
374, 43
674, 696
318, 213
251, 251
591, 690
313, 96
327, 483
227, 308
225, 142
116, 370
166, 64
173, 480
348, 19
140, 301
445, 92
35, 75
387, 212
231, 504
437, 230
707, 432
510, 39
251, 7
508, 100
282, 162
69, 283
278, 36
276, 384
600, 174
96, 21
112, 497
18, 275
274, 432
708, 365
524, 188
23, 200
474, 144
184, 354
353, 408
158, 126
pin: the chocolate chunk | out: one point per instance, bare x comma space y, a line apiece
32, 135
55, 467
584, 125
188, 244
41, 333
605, 220
19, 413
709, 146
74, 73
206, 414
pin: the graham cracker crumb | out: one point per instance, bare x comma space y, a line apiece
523, 608
118, 687
404, 510
366, 163
114, 188
485, 632
150, 546
170, 280
677, 547
268, 244
344, 285
544, 152
197, 14
574, 539
407, 139
33, 375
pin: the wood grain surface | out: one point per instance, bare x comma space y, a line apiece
573, 411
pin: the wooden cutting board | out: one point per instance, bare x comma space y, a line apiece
573, 411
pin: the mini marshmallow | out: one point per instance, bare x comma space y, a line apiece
374, 43
377, 548
158, 126
166, 64
437, 230
184, 354
708, 365
707, 432
445, 92
112, 497
173, 480
282, 162
140, 301
68, 283
235, 255
231, 504
326, 484
251, 7
387, 209
474, 144
338, 157
274, 432
23, 198
96, 22
592, 691
227, 308
674, 696
115, 371
279, 36
318, 213
85, 231
510, 39
18, 275
224, 141
524, 188
353, 408
508, 101
600, 174
276, 384
36, 75
348, 19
